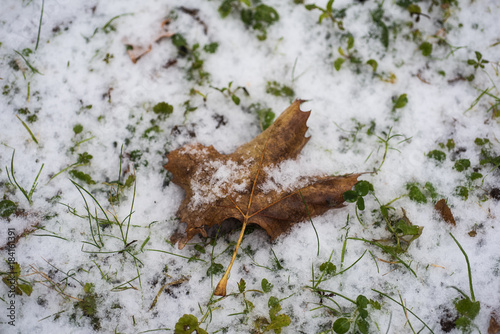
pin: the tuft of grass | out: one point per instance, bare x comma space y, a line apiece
94, 231
13, 181
385, 144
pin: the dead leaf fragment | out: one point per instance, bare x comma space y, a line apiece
494, 326
220, 187
136, 52
444, 211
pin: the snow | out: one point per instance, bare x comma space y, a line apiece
227, 177
86, 78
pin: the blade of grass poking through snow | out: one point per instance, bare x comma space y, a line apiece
472, 297
145, 243
344, 245
178, 255
277, 261
352, 265
255, 262
310, 219
34, 70
405, 310
385, 141
383, 294
29, 131
87, 208
324, 272
387, 250
375, 260
53, 235
39, 26
75, 165
121, 287
13, 180
476, 101
131, 206
108, 24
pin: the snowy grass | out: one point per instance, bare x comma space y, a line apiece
95, 94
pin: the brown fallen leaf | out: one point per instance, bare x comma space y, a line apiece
444, 211
494, 326
239, 185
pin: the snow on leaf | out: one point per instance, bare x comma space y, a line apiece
222, 186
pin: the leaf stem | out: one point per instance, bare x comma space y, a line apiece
220, 290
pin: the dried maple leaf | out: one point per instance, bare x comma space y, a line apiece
223, 186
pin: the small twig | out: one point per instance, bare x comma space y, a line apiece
136, 55
174, 283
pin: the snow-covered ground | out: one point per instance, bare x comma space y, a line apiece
411, 98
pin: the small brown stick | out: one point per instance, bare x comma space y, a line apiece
177, 282
419, 76
136, 55
406, 312
390, 262
164, 35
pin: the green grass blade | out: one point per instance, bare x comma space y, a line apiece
352, 265
40, 26
13, 181
473, 298
34, 70
35, 183
28, 129
108, 24
383, 294
131, 207
387, 251
87, 208
310, 219
65, 169
182, 256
